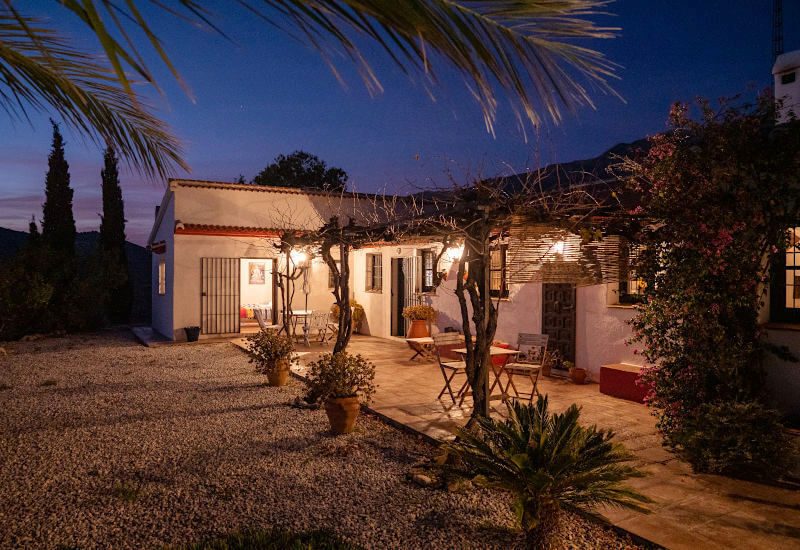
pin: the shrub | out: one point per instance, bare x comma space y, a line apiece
716, 195
340, 375
270, 351
422, 312
738, 439
547, 461
357, 315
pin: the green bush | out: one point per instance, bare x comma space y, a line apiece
268, 350
274, 539
738, 439
340, 375
547, 461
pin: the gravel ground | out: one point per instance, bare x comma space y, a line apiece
108, 444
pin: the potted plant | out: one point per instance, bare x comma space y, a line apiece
552, 359
272, 354
341, 381
356, 317
192, 333
421, 317
576, 374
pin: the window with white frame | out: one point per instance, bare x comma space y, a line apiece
162, 277
785, 281
374, 273
428, 270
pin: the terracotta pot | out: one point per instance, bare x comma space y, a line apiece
279, 376
418, 329
342, 413
577, 375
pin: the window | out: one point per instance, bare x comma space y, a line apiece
162, 277
374, 273
498, 286
785, 287
428, 270
788, 78
330, 273
630, 288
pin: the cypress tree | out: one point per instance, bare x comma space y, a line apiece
33, 233
58, 223
112, 241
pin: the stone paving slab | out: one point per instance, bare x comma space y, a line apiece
690, 511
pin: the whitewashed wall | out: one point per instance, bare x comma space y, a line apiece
162, 306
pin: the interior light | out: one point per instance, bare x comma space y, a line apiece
298, 256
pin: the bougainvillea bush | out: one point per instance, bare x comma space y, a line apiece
717, 194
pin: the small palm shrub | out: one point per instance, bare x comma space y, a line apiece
340, 375
421, 312
736, 439
547, 461
270, 351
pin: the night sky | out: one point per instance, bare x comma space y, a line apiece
266, 94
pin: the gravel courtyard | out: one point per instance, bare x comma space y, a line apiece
108, 444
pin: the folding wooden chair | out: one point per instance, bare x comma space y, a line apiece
532, 349
318, 326
450, 363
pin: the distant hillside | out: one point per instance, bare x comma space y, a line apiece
85, 243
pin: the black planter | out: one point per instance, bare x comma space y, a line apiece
192, 333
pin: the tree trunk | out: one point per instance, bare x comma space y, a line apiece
341, 292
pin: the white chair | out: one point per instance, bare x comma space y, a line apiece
532, 350
318, 326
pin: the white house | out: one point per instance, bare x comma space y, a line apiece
214, 258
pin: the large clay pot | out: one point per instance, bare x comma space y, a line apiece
418, 329
342, 413
577, 375
279, 376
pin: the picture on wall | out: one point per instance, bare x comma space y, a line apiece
257, 271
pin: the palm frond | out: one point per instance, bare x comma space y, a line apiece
530, 49
546, 458
40, 70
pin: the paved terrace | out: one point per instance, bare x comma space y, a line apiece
689, 510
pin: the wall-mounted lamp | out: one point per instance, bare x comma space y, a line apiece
299, 257
558, 247
455, 252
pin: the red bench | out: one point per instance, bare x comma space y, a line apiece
619, 380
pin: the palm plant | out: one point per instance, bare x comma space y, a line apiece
527, 48
547, 461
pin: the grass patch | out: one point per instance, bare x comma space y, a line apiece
48, 382
126, 490
273, 539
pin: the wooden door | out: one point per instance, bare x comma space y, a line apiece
558, 318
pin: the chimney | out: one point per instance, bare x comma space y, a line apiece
786, 72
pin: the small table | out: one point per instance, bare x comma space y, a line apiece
422, 347
493, 352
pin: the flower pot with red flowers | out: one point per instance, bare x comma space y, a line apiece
272, 354
341, 382
421, 317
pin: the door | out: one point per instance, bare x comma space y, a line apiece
219, 296
404, 277
558, 318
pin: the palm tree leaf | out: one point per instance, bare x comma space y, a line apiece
40, 70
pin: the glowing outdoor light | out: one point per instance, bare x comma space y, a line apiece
558, 247
454, 253
298, 256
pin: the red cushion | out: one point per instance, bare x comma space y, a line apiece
243, 313
621, 381
500, 360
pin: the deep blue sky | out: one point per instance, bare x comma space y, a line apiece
266, 95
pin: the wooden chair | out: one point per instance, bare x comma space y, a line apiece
450, 363
532, 350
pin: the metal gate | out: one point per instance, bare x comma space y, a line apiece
219, 297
